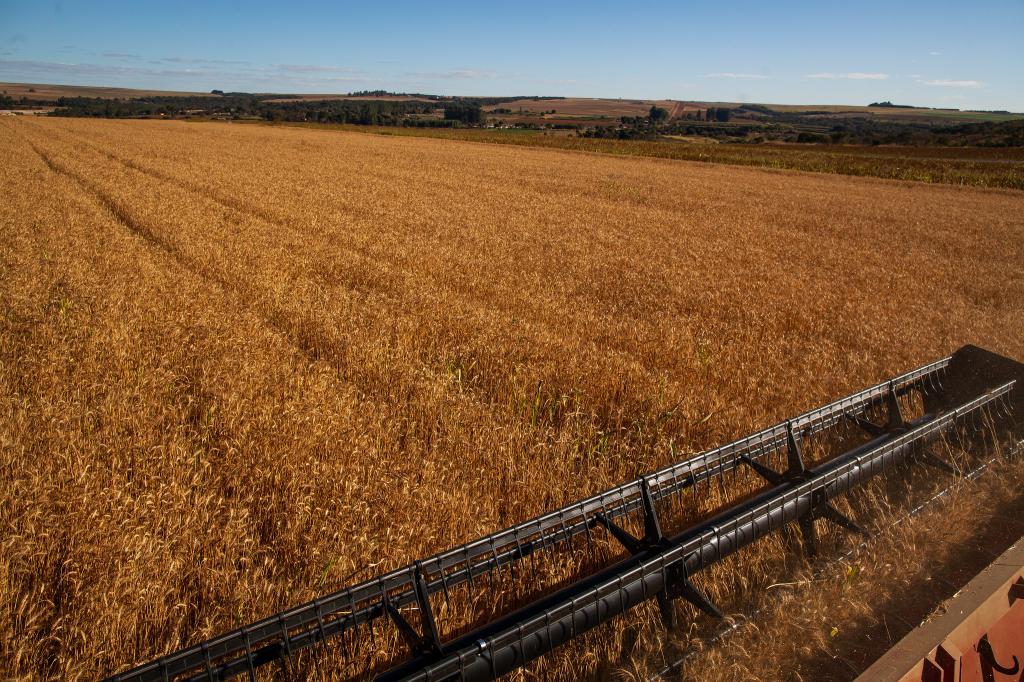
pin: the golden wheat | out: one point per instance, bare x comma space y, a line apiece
241, 366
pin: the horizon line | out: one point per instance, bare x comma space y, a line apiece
520, 96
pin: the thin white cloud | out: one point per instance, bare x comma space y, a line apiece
29, 66
312, 68
469, 73
854, 76
945, 83
273, 77
935, 53
549, 81
194, 60
457, 74
730, 74
338, 79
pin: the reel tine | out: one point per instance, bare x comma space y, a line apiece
469, 579
444, 585
1000, 408
383, 607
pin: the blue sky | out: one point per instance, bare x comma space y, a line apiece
946, 54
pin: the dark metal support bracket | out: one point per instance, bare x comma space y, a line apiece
632, 544
652, 527
797, 471
794, 457
773, 477
896, 421
940, 464
871, 428
892, 401
678, 583
681, 587
894, 416
830, 513
430, 641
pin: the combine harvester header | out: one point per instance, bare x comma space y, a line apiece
973, 394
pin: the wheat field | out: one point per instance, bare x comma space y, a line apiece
241, 366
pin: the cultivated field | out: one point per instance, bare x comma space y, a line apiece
587, 106
357, 98
243, 365
614, 108
973, 166
53, 92
950, 116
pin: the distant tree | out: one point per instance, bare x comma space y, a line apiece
657, 114
466, 113
723, 114
890, 105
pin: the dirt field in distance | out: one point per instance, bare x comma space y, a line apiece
585, 106
357, 98
53, 92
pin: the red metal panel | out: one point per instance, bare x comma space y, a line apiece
980, 638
